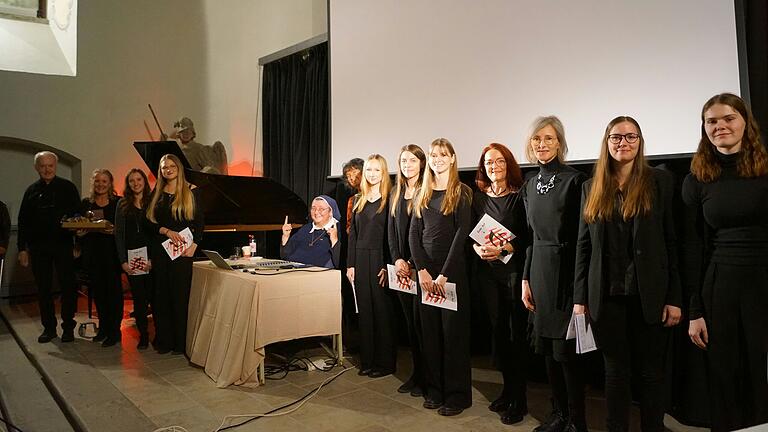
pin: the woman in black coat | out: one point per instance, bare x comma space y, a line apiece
100, 258
552, 201
726, 196
626, 277
172, 209
412, 161
499, 180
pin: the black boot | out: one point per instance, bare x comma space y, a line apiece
515, 413
556, 422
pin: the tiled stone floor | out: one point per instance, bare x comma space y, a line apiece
123, 389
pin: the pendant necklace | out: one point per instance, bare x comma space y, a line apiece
544, 188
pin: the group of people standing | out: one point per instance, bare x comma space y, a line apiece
605, 247
142, 220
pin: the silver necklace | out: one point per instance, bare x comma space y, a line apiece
544, 188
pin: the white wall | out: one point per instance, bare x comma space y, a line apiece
186, 57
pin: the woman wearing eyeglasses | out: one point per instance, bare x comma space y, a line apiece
439, 228
499, 180
173, 208
315, 243
412, 161
367, 270
726, 197
552, 201
626, 272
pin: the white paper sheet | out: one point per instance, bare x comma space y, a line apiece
450, 301
406, 285
176, 251
489, 231
137, 260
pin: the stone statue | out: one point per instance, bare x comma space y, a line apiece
210, 159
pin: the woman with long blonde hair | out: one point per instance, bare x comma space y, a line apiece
439, 229
552, 206
100, 258
412, 162
173, 208
726, 196
366, 270
626, 278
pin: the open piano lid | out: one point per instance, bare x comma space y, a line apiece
232, 203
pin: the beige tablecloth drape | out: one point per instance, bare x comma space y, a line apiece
234, 315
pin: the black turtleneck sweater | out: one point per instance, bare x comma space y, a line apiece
727, 224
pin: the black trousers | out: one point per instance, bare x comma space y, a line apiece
378, 349
735, 304
107, 291
173, 280
627, 341
141, 291
565, 371
445, 338
509, 323
44, 259
409, 305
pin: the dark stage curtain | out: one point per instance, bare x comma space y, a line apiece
756, 35
296, 121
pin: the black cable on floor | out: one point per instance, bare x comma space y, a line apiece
284, 406
10, 425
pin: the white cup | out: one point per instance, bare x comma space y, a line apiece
246, 251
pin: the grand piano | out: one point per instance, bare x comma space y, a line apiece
234, 206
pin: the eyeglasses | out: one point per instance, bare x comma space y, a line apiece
548, 140
320, 209
498, 162
630, 138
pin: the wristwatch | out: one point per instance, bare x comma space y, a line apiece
504, 252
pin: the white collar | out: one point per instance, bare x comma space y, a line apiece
330, 223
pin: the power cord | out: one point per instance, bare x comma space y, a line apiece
272, 413
10, 425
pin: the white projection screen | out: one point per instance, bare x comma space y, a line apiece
480, 71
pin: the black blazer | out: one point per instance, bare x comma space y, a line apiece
655, 258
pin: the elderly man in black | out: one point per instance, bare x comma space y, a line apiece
45, 245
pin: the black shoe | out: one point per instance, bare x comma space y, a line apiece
378, 373
100, 336
431, 404
143, 342
109, 341
449, 411
514, 414
364, 372
68, 336
407, 387
46, 336
554, 423
575, 427
501, 403
417, 391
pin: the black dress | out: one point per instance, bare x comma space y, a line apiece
173, 279
437, 242
500, 285
130, 233
103, 267
728, 281
398, 228
367, 250
553, 205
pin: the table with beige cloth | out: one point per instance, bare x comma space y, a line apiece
233, 315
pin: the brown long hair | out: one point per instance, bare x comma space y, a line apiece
514, 174
366, 187
111, 194
454, 190
183, 206
638, 190
402, 182
129, 197
753, 161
